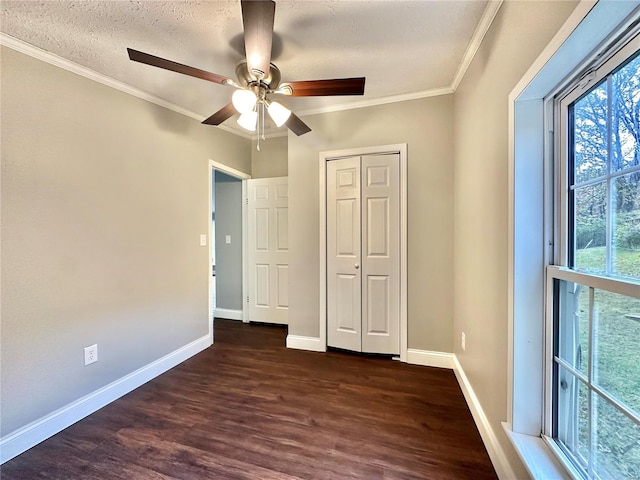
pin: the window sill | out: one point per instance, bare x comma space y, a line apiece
539, 460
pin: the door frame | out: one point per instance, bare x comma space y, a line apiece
401, 149
211, 168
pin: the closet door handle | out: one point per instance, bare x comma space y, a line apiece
357, 265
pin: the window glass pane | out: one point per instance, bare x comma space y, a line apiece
573, 415
590, 234
625, 222
573, 329
596, 374
617, 455
625, 132
617, 347
590, 135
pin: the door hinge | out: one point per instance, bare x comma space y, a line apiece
247, 299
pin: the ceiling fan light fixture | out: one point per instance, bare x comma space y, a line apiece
248, 120
278, 113
243, 100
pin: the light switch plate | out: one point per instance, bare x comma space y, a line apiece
227, 239
203, 240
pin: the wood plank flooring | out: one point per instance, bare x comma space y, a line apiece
248, 408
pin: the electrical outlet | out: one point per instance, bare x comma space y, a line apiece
463, 341
90, 354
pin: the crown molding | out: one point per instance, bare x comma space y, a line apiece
486, 20
235, 132
53, 59
488, 15
481, 30
378, 101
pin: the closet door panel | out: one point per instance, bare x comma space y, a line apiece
344, 289
380, 196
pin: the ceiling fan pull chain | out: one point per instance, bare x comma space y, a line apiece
263, 120
258, 107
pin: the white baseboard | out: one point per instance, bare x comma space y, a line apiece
430, 359
304, 343
494, 449
228, 313
32, 434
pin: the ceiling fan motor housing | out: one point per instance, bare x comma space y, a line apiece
245, 78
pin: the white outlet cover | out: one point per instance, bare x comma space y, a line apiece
90, 354
227, 239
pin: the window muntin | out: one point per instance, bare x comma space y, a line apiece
595, 387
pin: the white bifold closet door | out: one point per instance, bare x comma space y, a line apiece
363, 253
268, 249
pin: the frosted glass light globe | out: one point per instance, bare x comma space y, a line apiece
243, 100
279, 113
248, 120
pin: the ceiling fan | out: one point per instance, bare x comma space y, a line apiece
258, 78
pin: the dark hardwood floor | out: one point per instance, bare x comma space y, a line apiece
248, 408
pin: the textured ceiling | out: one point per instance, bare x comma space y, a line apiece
401, 47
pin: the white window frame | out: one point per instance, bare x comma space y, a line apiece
618, 51
531, 222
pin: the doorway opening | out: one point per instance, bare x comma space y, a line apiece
227, 248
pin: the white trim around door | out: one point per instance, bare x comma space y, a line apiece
244, 177
401, 149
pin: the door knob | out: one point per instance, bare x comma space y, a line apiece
357, 266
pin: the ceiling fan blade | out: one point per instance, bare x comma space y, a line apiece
257, 20
154, 61
221, 115
296, 125
315, 88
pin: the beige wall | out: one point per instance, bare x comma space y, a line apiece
518, 34
426, 125
271, 160
104, 197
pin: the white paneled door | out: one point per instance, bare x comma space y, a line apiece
344, 278
268, 249
363, 253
